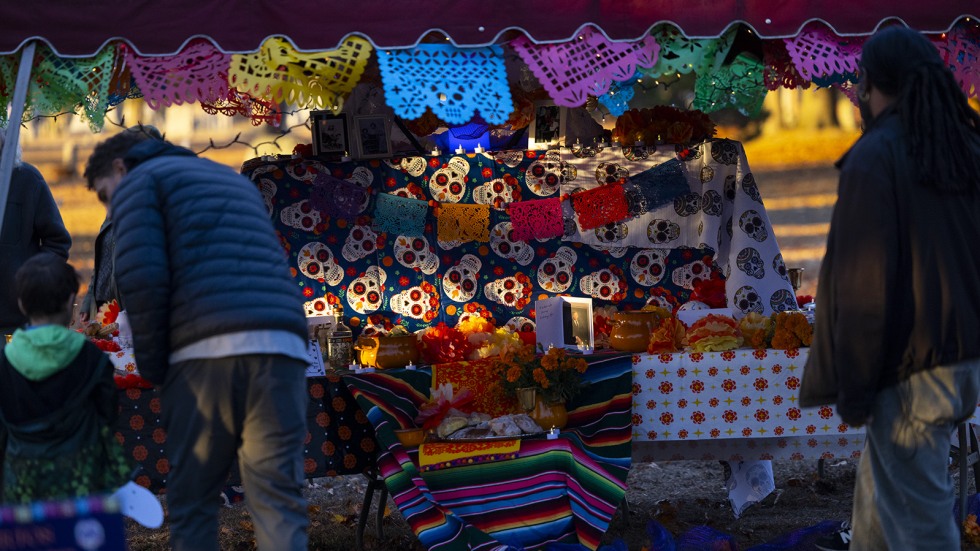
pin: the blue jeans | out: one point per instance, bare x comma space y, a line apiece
254, 406
903, 496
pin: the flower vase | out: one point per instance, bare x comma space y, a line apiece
548, 414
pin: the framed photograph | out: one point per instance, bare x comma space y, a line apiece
565, 322
330, 135
373, 136
547, 129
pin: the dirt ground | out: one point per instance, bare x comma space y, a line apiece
679, 495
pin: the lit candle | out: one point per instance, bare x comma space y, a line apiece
479, 148
553, 434
460, 150
346, 158
436, 152
410, 366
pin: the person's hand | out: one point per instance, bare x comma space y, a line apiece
83, 317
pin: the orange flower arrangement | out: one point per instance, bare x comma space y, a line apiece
557, 374
792, 330
756, 330
663, 124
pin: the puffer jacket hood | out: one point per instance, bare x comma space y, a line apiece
40, 352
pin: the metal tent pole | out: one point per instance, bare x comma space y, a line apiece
13, 125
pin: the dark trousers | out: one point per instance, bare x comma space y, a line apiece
252, 406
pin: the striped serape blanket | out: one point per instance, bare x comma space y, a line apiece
553, 491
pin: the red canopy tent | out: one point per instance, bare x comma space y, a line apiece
157, 28
152, 28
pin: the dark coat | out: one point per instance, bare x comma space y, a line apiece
196, 255
899, 288
31, 224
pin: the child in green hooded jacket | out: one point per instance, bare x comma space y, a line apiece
58, 400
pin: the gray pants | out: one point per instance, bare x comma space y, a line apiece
255, 405
903, 496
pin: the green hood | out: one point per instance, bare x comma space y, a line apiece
41, 352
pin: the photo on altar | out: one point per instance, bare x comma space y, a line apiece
329, 135
547, 130
372, 136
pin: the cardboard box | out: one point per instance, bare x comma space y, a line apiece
564, 322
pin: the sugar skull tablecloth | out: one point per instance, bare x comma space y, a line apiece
367, 234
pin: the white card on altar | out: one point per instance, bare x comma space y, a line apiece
564, 322
315, 367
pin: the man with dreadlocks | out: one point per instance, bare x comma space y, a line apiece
897, 342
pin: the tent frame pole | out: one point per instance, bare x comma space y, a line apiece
13, 125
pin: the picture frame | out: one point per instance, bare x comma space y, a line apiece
331, 136
565, 322
547, 128
372, 134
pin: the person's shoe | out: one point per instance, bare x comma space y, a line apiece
838, 541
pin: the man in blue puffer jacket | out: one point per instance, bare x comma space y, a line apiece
219, 325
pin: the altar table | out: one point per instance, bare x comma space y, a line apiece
736, 405
553, 491
340, 440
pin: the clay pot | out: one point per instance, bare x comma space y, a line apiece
548, 414
388, 352
631, 330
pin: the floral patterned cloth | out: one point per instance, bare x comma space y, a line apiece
736, 405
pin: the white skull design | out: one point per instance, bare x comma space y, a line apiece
510, 158
366, 292
301, 216
416, 253
750, 262
268, 190
497, 192
649, 266
747, 300
449, 184
448, 245
414, 303
520, 323
459, 282
305, 171
360, 242
751, 223
317, 262
783, 300
661, 231
506, 291
546, 174
317, 307
607, 173
612, 232
555, 273
413, 166
362, 177
684, 276
503, 243
602, 284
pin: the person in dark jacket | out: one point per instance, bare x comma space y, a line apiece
57, 396
896, 344
219, 324
31, 224
103, 172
